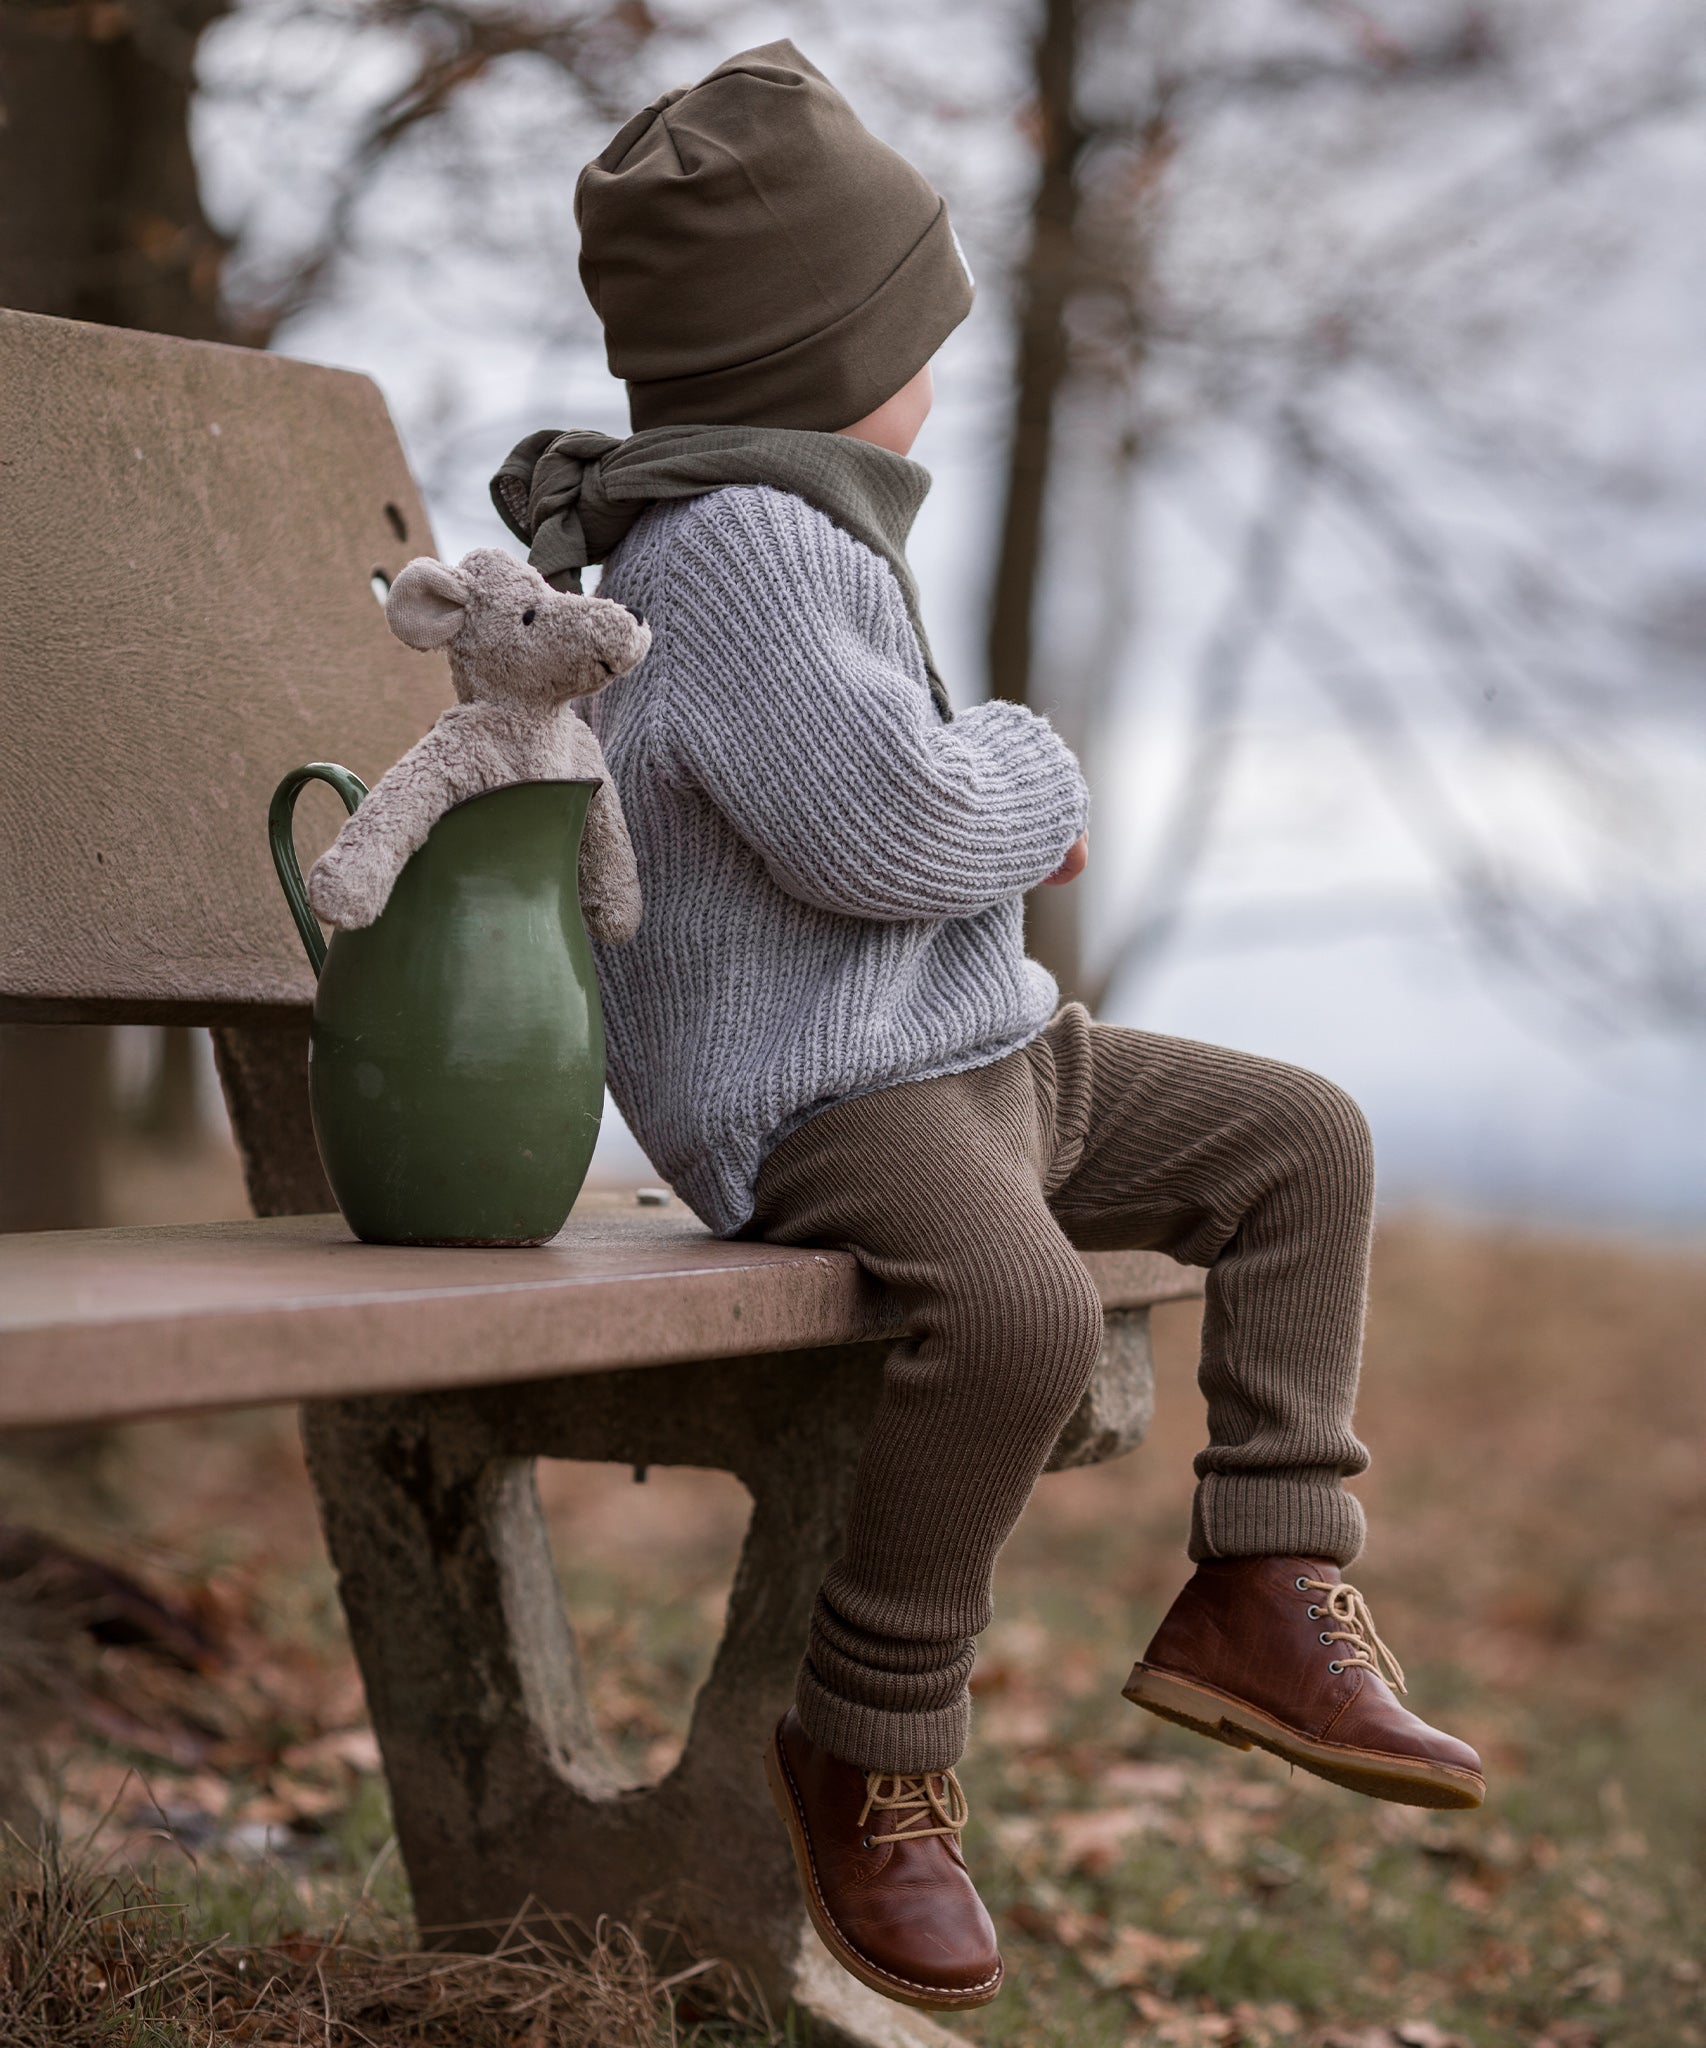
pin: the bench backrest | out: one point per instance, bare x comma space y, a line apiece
188, 540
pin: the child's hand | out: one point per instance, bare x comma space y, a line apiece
1077, 855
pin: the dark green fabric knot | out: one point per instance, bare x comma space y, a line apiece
550, 494
572, 496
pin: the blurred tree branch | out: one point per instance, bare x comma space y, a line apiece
1047, 280
1114, 363
1138, 323
1083, 315
451, 46
1229, 653
1603, 964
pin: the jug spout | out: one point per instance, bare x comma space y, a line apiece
281, 814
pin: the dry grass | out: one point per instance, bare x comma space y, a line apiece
90, 1958
1538, 1414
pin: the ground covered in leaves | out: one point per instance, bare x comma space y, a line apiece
1538, 1413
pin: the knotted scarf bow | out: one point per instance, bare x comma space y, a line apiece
573, 496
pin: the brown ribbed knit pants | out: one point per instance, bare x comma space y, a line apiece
967, 1196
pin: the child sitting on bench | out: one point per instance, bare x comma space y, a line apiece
827, 1032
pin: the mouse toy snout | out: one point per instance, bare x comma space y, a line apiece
628, 644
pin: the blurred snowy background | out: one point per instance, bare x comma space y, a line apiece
1326, 454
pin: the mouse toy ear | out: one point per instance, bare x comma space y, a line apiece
427, 604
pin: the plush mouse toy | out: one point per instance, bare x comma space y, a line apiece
520, 653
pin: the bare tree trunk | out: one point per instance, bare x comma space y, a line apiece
53, 1117
1044, 288
102, 217
168, 1115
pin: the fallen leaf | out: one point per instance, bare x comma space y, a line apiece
1135, 1954
1197, 2029
358, 1748
1066, 1926
1424, 2034
1274, 2017
1131, 1778
1602, 1982
1080, 1840
303, 1799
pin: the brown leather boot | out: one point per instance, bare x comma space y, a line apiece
1279, 1652
885, 1883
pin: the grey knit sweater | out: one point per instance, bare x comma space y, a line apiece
832, 875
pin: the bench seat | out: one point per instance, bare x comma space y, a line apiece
431, 1379
114, 1325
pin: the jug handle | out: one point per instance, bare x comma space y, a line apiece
281, 814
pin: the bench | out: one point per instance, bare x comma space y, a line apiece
190, 542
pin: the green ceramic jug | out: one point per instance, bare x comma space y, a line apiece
456, 1059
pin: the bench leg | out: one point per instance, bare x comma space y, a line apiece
502, 1789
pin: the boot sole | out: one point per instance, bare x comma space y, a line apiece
925, 1997
1239, 1725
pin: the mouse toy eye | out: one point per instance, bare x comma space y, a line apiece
529, 616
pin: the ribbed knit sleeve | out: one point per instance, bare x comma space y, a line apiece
792, 704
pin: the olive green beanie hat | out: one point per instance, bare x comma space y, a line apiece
759, 258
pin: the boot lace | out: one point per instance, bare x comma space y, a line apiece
1356, 1630
918, 1807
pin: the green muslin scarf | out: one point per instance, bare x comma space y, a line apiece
572, 496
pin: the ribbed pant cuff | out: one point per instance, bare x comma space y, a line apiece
1247, 1514
876, 1739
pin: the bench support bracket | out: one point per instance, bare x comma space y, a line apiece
502, 1788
